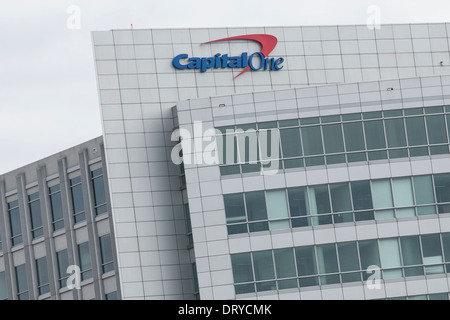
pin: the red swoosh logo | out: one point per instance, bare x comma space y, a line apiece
267, 42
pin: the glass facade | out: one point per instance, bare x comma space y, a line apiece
341, 262
77, 200
354, 201
338, 139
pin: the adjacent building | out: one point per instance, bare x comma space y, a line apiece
247, 163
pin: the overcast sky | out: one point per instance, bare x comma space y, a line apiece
48, 91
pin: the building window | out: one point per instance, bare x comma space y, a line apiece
424, 195
402, 192
411, 256
332, 138
99, 191
248, 152
56, 207
77, 200
335, 263
196, 287
63, 263
432, 254
42, 276
111, 296
107, 253
242, 272
84, 255
264, 270
369, 255
306, 266
320, 205
14, 219
436, 129
182, 169
34, 204
3, 288
187, 216
435, 296
382, 199
354, 139
395, 133
22, 283
415, 127
277, 209
375, 139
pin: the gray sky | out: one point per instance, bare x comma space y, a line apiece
48, 91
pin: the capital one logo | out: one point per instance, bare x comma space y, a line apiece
255, 61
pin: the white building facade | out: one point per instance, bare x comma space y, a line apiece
361, 120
